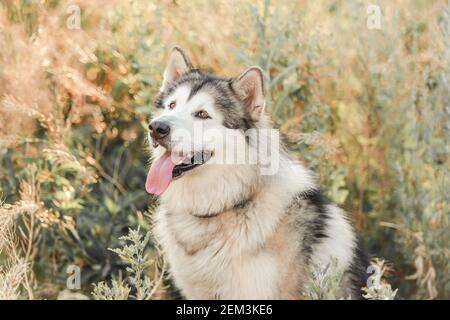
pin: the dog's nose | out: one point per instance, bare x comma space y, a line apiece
158, 129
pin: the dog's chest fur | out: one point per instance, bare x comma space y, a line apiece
259, 245
249, 251
221, 257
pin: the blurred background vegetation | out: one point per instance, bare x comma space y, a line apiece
367, 109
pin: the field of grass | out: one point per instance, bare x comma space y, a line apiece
368, 109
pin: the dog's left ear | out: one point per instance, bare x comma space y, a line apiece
177, 65
249, 87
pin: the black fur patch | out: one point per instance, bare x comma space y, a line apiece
358, 269
319, 202
313, 219
204, 80
314, 224
173, 292
158, 102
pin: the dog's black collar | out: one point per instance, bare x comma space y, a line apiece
244, 203
207, 216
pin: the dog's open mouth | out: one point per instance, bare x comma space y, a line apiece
171, 166
196, 160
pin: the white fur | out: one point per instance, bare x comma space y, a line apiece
339, 244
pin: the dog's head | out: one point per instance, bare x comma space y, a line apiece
199, 117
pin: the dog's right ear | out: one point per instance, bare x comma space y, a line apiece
249, 87
177, 65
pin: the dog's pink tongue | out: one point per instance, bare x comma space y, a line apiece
160, 173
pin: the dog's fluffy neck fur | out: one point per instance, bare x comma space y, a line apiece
218, 225
213, 189
231, 255
236, 185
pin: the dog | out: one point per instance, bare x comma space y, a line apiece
238, 230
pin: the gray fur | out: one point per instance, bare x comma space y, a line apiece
229, 104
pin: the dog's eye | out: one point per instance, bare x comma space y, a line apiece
202, 114
172, 105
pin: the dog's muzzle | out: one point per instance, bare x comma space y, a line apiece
159, 133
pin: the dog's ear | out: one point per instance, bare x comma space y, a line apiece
177, 65
249, 87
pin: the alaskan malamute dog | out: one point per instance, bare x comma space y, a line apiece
238, 229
